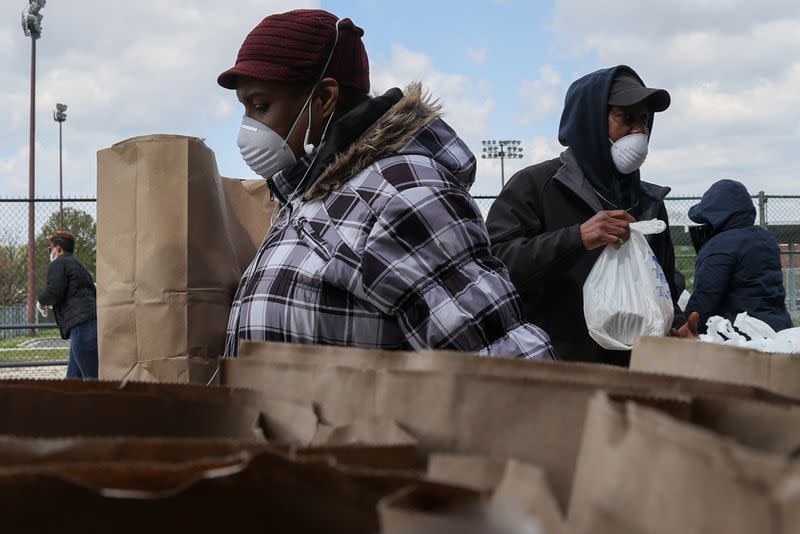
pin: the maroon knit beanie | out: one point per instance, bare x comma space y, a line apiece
294, 46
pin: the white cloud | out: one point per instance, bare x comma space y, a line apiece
732, 69
478, 55
154, 70
467, 103
225, 108
15, 167
145, 67
543, 148
541, 98
469, 106
6, 43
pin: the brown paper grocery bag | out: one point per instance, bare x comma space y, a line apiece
518, 489
779, 373
178, 370
19, 451
414, 510
15, 451
74, 408
520, 505
661, 475
481, 473
284, 422
603, 376
524, 491
366, 431
536, 418
171, 248
368, 442
532, 420
252, 491
42, 413
766, 427
249, 210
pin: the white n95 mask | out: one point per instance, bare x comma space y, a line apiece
629, 152
264, 151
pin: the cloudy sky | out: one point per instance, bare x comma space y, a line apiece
500, 68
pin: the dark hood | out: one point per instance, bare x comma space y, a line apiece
725, 206
584, 129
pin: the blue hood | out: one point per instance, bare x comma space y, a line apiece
584, 129
725, 206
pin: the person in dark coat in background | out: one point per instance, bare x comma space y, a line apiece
72, 294
552, 220
738, 265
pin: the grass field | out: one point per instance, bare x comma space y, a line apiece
11, 349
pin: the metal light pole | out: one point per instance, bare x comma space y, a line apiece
493, 149
32, 26
60, 115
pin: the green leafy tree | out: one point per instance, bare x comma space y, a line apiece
13, 272
83, 227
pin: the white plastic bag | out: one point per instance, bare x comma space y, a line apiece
42, 309
626, 295
758, 335
753, 328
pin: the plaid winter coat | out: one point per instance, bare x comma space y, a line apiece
386, 249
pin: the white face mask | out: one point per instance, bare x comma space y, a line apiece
53, 256
629, 152
264, 151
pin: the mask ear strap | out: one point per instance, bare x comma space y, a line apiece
278, 214
308, 146
308, 100
325, 131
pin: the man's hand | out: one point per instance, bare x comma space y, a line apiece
689, 329
606, 228
42, 309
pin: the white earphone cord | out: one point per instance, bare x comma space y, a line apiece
277, 214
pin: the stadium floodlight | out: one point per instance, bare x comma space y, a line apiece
502, 150
32, 19
60, 115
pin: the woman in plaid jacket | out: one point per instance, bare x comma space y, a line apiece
378, 243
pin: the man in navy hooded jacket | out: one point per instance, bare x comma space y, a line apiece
738, 265
552, 221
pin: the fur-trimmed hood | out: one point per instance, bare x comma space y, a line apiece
400, 131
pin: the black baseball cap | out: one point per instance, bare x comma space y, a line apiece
627, 91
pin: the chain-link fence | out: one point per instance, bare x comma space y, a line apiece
30, 344
780, 214
31, 347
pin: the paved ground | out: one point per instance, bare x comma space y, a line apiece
50, 372
46, 343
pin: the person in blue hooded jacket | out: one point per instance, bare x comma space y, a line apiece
738, 265
552, 220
